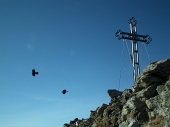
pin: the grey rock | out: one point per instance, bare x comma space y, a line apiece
159, 105
135, 103
124, 124
156, 72
126, 110
163, 88
142, 116
127, 93
133, 123
148, 92
129, 123
114, 93
101, 109
145, 82
159, 69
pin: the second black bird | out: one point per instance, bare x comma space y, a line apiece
34, 72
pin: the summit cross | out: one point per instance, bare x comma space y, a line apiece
134, 37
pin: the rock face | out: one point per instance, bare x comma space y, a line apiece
147, 104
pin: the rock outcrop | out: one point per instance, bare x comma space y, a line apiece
147, 104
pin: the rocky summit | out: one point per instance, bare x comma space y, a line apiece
147, 104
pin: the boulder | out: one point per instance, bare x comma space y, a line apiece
148, 92
156, 72
157, 69
114, 93
145, 82
159, 105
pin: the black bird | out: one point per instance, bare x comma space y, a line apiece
64, 91
34, 72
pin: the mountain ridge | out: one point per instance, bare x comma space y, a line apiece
147, 104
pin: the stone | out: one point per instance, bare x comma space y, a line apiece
151, 115
146, 81
152, 102
156, 72
142, 116
135, 103
114, 93
126, 110
133, 123
101, 109
124, 124
148, 92
127, 93
108, 111
163, 88
129, 123
159, 68
160, 104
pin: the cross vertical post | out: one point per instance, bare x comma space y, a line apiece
134, 37
134, 44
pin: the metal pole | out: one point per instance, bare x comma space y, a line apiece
133, 58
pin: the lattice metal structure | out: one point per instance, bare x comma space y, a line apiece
134, 37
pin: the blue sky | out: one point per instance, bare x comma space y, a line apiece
72, 44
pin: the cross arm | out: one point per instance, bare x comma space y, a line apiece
124, 35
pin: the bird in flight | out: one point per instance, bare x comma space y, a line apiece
64, 91
34, 72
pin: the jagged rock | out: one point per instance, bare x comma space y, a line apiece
159, 105
151, 115
101, 109
144, 82
114, 93
159, 68
162, 88
129, 123
135, 103
142, 116
66, 125
127, 93
126, 110
156, 72
114, 108
148, 92
148, 80
153, 102
146, 105
93, 114
133, 124
124, 124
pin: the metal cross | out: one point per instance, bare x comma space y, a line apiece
134, 37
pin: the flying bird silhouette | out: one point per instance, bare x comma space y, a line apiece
64, 91
34, 72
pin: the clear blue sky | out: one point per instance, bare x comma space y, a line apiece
72, 44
